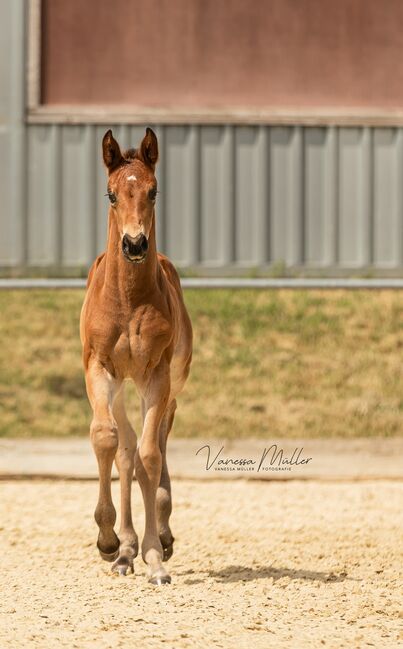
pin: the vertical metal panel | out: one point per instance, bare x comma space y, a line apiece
353, 196
387, 178
214, 192
295, 240
122, 133
217, 195
315, 195
331, 198
245, 190
287, 195
280, 193
399, 195
365, 244
228, 209
77, 189
13, 238
349, 143
251, 212
43, 188
262, 236
194, 197
181, 192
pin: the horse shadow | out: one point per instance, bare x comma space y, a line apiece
233, 573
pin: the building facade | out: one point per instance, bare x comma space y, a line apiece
292, 167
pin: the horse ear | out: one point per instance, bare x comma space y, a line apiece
148, 151
111, 152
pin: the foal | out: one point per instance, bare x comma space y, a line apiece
134, 325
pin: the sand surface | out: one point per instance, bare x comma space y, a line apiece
297, 564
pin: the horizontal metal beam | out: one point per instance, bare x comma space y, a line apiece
224, 282
292, 283
43, 114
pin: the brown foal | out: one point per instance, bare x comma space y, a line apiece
134, 325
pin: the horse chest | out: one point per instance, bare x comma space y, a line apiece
139, 348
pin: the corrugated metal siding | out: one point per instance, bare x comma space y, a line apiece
243, 195
246, 196
12, 134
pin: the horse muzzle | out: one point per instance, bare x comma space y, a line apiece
135, 250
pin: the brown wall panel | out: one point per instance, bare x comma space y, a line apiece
223, 53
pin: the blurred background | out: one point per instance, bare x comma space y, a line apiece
280, 132
277, 120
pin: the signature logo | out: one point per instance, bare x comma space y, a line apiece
272, 458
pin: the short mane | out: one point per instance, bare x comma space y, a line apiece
130, 154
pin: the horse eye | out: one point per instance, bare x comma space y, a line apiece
152, 194
112, 197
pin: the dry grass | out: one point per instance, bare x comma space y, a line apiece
266, 364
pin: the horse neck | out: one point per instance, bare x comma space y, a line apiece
127, 282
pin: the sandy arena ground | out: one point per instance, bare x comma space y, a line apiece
256, 564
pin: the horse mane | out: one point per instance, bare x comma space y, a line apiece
130, 155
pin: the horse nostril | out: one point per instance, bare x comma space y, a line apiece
126, 244
134, 247
144, 244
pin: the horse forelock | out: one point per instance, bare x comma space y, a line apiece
130, 154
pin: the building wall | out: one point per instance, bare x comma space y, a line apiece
328, 198
228, 53
250, 196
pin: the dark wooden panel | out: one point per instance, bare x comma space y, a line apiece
224, 53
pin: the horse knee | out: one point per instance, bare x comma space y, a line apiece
148, 462
125, 456
104, 437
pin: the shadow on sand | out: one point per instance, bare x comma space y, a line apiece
241, 573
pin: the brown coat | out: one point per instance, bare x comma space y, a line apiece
134, 325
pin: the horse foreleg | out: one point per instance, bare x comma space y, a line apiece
101, 389
148, 464
124, 459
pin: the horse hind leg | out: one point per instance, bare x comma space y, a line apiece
164, 497
127, 444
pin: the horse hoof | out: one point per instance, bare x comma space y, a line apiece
108, 556
159, 581
121, 566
